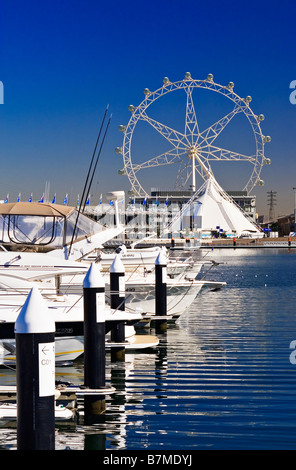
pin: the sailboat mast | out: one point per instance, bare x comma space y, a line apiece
82, 203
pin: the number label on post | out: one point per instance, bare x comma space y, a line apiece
121, 281
100, 305
46, 358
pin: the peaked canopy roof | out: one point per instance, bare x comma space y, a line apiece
213, 207
218, 209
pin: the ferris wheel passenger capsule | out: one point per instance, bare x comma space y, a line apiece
267, 161
131, 108
230, 85
121, 172
146, 91
210, 77
248, 99
260, 182
261, 117
118, 150
121, 128
267, 138
187, 76
166, 80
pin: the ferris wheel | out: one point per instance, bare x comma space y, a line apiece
193, 149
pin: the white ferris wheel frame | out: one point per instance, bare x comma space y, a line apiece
196, 145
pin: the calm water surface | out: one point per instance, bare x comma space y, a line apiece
221, 377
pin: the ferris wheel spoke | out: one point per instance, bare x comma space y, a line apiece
184, 173
167, 158
210, 134
191, 125
175, 138
215, 153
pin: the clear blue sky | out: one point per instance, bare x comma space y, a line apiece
62, 62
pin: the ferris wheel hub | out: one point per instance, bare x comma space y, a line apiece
193, 151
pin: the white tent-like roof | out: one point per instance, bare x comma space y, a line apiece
212, 207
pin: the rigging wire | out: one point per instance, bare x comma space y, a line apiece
98, 156
83, 199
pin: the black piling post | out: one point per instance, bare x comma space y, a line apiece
35, 375
94, 341
160, 293
117, 293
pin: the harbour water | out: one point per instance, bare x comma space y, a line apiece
221, 377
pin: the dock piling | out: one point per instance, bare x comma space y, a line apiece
35, 375
94, 340
160, 292
117, 293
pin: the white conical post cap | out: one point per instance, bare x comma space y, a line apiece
93, 277
34, 316
117, 265
161, 258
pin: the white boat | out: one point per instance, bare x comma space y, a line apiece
67, 350
8, 411
68, 314
181, 285
55, 277
50, 271
130, 257
63, 268
180, 295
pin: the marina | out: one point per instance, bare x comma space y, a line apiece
131, 328
220, 378
147, 230
163, 363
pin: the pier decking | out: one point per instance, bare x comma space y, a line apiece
189, 244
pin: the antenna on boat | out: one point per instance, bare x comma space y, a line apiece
83, 199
